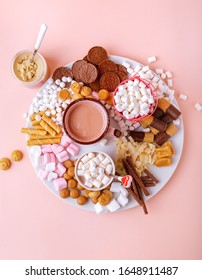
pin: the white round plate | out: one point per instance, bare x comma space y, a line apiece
162, 173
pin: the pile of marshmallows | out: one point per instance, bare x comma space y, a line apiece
50, 158
133, 99
95, 168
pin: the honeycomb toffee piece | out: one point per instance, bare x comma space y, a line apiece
155, 123
139, 136
168, 108
158, 113
162, 137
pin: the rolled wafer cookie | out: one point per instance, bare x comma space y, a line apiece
49, 129
32, 117
51, 123
33, 131
43, 141
38, 127
35, 137
34, 123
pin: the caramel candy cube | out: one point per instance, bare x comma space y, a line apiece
164, 152
163, 104
154, 130
149, 137
168, 143
164, 161
171, 130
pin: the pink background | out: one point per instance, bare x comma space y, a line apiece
34, 224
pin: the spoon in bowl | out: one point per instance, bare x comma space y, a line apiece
39, 40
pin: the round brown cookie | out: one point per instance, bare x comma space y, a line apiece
97, 54
107, 66
85, 58
16, 155
5, 163
84, 71
109, 81
62, 72
122, 76
121, 68
95, 86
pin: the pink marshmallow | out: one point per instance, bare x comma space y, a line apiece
52, 157
60, 169
42, 160
60, 184
73, 149
95, 95
62, 156
56, 149
46, 149
42, 174
46, 158
65, 141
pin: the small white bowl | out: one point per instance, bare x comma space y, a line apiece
33, 83
94, 188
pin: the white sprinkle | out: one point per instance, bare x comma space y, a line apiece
176, 122
198, 107
145, 68
159, 71
151, 59
170, 82
169, 74
38, 118
163, 76
57, 82
183, 97
129, 70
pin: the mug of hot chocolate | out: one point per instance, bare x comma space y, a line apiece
86, 121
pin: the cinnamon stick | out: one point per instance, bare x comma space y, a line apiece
142, 199
151, 176
135, 196
150, 185
134, 174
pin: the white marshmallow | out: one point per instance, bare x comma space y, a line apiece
36, 151
171, 91
151, 59
80, 172
109, 169
91, 155
145, 68
50, 166
124, 191
94, 174
98, 208
155, 79
85, 159
113, 205
88, 184
169, 74
96, 160
170, 82
146, 129
176, 122
129, 70
163, 76
100, 156
85, 166
97, 183
137, 68
118, 107
106, 161
159, 71
100, 177
122, 200
52, 176
100, 170
183, 97
126, 64
105, 180
103, 142
198, 107
87, 176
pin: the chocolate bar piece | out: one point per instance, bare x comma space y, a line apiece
117, 133
158, 113
168, 108
162, 137
166, 118
139, 136
153, 122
